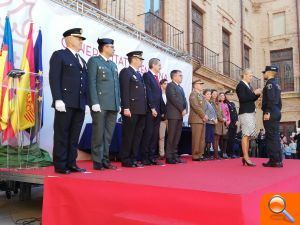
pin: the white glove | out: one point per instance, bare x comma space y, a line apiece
96, 108
60, 106
87, 109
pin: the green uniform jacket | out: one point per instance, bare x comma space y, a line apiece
103, 83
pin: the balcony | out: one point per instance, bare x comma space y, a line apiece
112, 14
231, 70
163, 31
205, 56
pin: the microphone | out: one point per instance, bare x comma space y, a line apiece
16, 73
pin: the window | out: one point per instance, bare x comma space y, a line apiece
278, 27
197, 26
246, 56
284, 60
153, 18
226, 52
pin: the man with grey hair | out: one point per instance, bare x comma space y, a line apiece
247, 97
68, 84
149, 142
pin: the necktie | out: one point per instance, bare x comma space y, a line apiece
156, 78
77, 57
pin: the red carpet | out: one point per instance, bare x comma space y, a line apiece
214, 192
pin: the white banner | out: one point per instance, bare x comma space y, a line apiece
53, 21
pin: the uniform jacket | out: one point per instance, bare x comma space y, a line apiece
271, 102
197, 107
68, 80
104, 88
133, 91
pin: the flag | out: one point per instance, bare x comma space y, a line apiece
6, 65
39, 100
23, 116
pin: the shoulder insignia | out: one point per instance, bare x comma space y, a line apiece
269, 86
278, 86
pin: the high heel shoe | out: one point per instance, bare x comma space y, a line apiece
245, 162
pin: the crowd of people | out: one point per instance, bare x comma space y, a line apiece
152, 111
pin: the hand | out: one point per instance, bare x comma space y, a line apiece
257, 91
227, 123
154, 113
267, 116
237, 123
127, 112
96, 108
205, 118
60, 106
183, 112
215, 121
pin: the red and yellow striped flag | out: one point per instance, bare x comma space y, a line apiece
23, 116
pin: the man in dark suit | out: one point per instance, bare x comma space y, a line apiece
104, 98
68, 84
154, 97
133, 109
176, 110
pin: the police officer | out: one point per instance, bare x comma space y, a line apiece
133, 109
68, 84
104, 98
232, 128
271, 106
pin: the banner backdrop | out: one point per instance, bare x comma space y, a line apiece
53, 20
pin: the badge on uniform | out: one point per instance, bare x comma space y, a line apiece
269, 86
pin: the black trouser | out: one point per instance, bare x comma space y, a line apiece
174, 133
273, 140
67, 127
132, 131
149, 141
231, 139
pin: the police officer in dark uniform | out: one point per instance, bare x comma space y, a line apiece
271, 106
232, 128
133, 109
68, 84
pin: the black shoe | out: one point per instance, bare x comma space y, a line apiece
170, 161
247, 163
130, 165
98, 166
273, 164
77, 169
179, 160
62, 171
197, 159
156, 163
146, 162
138, 164
109, 166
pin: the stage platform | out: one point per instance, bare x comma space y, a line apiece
213, 192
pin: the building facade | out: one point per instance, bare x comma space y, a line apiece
220, 38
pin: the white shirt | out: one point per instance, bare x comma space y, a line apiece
164, 96
106, 59
74, 53
246, 84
